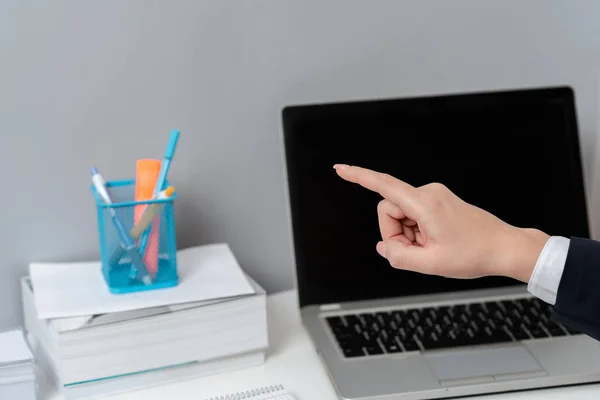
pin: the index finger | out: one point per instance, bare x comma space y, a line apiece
398, 192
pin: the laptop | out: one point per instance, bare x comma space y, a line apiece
384, 333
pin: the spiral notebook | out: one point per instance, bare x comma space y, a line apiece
276, 392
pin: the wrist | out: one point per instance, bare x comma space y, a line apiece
519, 250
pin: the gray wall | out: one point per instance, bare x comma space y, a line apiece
104, 82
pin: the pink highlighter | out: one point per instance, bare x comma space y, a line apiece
146, 177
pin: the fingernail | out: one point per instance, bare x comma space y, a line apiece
381, 248
340, 166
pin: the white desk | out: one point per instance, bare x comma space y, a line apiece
293, 362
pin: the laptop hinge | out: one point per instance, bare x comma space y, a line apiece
329, 307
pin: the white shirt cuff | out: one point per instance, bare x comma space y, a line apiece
548, 270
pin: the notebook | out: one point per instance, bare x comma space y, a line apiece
276, 392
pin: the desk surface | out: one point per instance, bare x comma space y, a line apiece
292, 361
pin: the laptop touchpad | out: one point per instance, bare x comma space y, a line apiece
482, 363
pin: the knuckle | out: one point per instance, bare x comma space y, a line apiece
434, 195
437, 187
387, 178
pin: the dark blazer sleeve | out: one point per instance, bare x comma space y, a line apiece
578, 297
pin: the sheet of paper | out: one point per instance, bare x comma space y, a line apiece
78, 289
86, 321
13, 347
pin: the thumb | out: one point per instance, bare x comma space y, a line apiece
403, 256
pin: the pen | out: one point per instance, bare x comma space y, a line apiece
149, 213
162, 177
127, 242
100, 185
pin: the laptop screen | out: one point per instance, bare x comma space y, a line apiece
513, 153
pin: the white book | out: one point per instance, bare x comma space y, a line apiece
163, 324
219, 322
21, 376
14, 348
26, 390
188, 334
17, 368
148, 379
59, 325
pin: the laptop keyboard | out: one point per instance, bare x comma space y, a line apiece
422, 329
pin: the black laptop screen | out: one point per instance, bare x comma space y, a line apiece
515, 154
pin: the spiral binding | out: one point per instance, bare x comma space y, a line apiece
250, 394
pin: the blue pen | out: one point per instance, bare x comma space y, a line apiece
127, 242
161, 182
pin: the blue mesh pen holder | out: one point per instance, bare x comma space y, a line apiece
119, 273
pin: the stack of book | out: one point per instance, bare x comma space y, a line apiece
133, 346
17, 369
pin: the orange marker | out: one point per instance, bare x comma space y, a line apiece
146, 176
